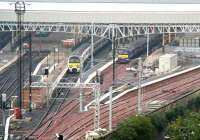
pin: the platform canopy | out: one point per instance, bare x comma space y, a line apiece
114, 1
48, 12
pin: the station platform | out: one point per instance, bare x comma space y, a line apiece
40, 94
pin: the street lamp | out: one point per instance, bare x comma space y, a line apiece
20, 10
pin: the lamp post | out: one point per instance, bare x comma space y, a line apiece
20, 10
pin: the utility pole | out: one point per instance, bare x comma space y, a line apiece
92, 46
97, 108
110, 109
20, 10
54, 58
113, 83
81, 91
96, 91
139, 106
148, 43
30, 72
46, 72
57, 50
113, 49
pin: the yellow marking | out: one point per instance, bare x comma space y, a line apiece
74, 65
123, 56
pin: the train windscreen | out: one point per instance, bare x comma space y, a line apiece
121, 51
74, 60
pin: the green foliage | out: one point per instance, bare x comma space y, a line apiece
194, 104
174, 113
135, 128
185, 128
179, 123
159, 121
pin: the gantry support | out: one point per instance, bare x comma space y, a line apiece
163, 43
94, 86
103, 30
92, 46
147, 44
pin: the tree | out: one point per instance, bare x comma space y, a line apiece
185, 128
135, 128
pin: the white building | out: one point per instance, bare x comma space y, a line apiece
167, 62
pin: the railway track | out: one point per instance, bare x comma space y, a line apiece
124, 107
59, 97
9, 77
48, 122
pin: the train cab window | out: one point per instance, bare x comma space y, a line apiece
74, 60
122, 52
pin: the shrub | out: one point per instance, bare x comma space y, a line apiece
135, 128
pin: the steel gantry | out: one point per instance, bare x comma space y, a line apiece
103, 30
113, 32
96, 90
94, 86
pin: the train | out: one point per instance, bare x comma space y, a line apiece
73, 63
137, 47
83, 53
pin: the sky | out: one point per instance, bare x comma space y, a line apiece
117, 1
